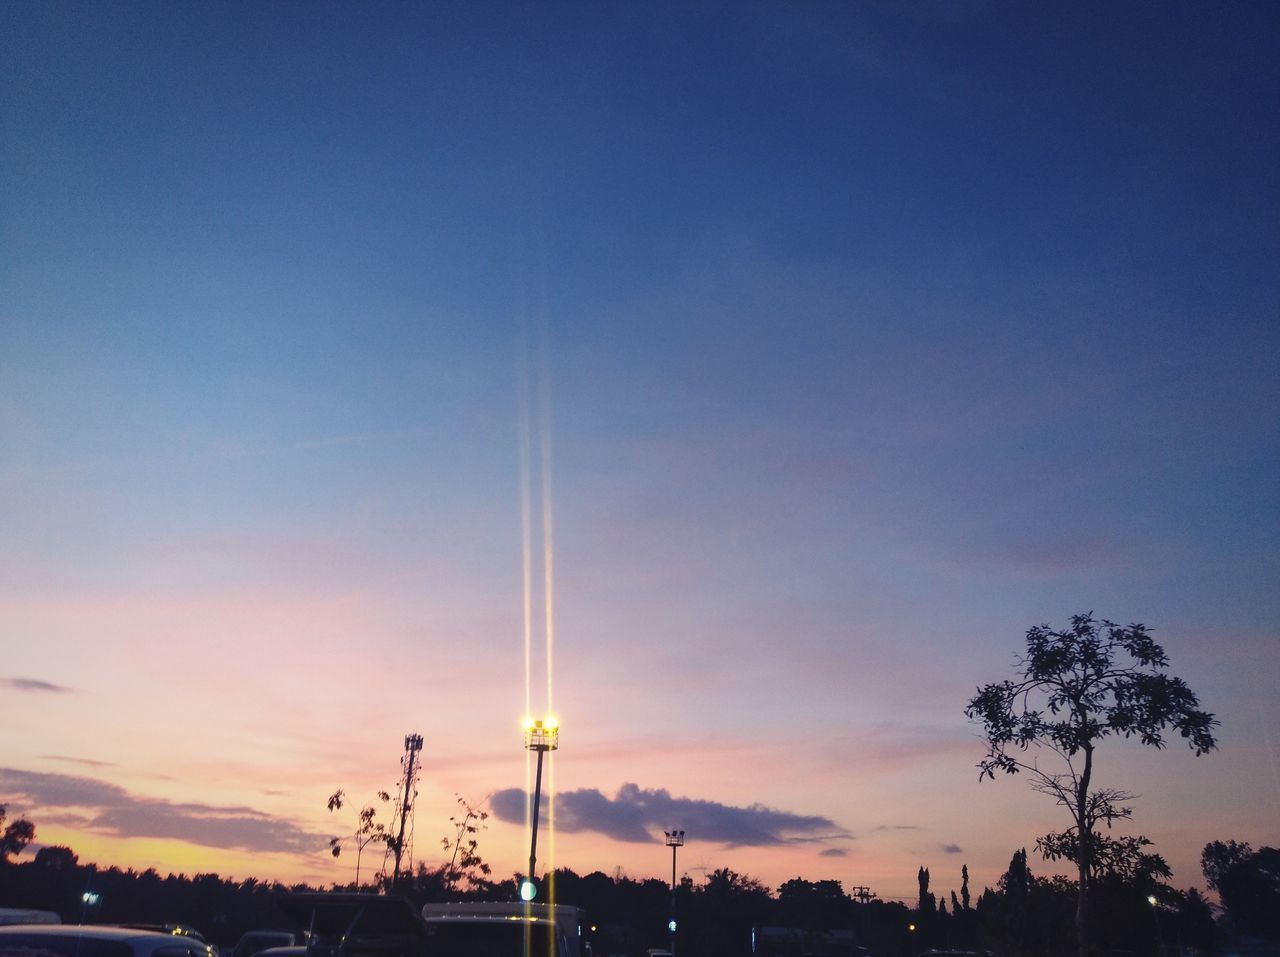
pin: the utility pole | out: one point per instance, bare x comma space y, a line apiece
863, 895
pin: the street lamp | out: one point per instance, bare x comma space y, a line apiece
540, 737
675, 838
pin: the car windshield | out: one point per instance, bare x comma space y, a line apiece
488, 939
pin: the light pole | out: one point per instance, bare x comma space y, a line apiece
541, 737
675, 839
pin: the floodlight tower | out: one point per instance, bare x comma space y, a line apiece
408, 792
540, 737
675, 838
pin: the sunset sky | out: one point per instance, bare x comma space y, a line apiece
824, 348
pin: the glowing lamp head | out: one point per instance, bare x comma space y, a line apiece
542, 735
671, 926
528, 890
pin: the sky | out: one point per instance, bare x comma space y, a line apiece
765, 370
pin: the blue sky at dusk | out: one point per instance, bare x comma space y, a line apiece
859, 338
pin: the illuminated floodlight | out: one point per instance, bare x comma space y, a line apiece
671, 925
528, 890
542, 735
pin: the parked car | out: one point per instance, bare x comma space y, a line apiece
504, 930
255, 941
85, 940
178, 930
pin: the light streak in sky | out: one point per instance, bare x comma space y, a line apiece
548, 564
526, 533
537, 416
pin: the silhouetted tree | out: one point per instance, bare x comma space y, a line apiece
465, 864
368, 829
1076, 688
16, 836
814, 907
1248, 882
1026, 916
56, 858
1194, 921
725, 909
928, 903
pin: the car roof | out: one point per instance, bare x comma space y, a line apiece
98, 931
337, 914
176, 930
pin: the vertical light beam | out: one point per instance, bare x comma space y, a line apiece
548, 550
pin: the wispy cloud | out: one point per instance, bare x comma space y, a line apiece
88, 762
952, 849
109, 809
833, 852
635, 813
34, 685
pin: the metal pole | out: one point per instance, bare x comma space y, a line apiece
673, 900
533, 837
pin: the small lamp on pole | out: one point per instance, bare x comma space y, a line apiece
675, 838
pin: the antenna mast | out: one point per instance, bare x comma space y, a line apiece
402, 848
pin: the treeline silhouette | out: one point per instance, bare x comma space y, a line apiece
726, 915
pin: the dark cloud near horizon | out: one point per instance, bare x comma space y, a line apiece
107, 808
952, 849
833, 852
635, 814
34, 685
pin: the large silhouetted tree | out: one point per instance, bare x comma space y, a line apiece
1075, 688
